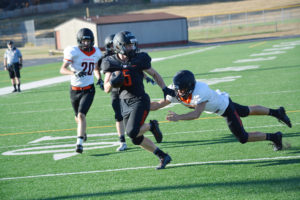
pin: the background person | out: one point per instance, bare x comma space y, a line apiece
13, 63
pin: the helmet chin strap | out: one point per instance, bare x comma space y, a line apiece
87, 49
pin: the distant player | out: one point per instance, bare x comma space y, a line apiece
81, 62
124, 70
198, 96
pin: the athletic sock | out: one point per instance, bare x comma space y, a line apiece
79, 140
122, 138
274, 113
271, 137
15, 87
159, 153
19, 86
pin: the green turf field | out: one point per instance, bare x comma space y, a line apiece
37, 126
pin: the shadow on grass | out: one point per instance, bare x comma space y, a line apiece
292, 184
185, 143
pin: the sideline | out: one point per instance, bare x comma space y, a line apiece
148, 167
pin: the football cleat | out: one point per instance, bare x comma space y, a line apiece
15, 90
163, 162
122, 147
19, 90
85, 137
283, 118
154, 128
277, 143
79, 148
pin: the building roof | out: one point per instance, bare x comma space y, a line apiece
127, 18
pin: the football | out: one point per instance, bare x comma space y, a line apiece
117, 79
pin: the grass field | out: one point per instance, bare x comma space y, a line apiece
37, 126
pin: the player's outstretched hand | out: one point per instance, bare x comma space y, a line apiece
80, 74
150, 80
100, 83
172, 117
168, 91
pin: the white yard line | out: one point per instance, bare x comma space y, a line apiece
36, 84
148, 167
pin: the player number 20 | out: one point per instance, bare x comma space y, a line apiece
90, 66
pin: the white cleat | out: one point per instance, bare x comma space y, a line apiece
122, 147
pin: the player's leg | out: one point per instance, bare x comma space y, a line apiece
279, 113
12, 76
236, 126
17, 76
85, 103
119, 120
135, 129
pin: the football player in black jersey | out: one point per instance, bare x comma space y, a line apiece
115, 100
124, 70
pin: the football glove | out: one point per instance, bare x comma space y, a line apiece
150, 80
100, 83
168, 91
117, 79
80, 74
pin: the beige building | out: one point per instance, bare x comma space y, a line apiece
151, 30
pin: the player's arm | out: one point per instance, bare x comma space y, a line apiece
65, 70
148, 79
155, 105
20, 61
172, 116
107, 85
5, 63
97, 71
156, 76
97, 74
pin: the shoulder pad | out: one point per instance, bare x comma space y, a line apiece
143, 57
143, 60
109, 64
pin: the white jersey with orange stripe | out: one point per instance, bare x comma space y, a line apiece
82, 61
217, 101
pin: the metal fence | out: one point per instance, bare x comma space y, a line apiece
283, 20
256, 22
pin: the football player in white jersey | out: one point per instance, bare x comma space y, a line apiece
82, 63
198, 96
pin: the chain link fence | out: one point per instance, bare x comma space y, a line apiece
284, 20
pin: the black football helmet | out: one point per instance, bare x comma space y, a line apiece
184, 80
85, 34
122, 39
109, 46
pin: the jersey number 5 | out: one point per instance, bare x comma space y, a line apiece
90, 67
127, 81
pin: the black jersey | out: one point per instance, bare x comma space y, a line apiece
133, 85
104, 56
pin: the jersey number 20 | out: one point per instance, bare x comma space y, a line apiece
90, 67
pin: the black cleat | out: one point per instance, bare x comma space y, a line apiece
15, 90
154, 128
164, 161
79, 148
19, 90
278, 142
283, 118
85, 137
